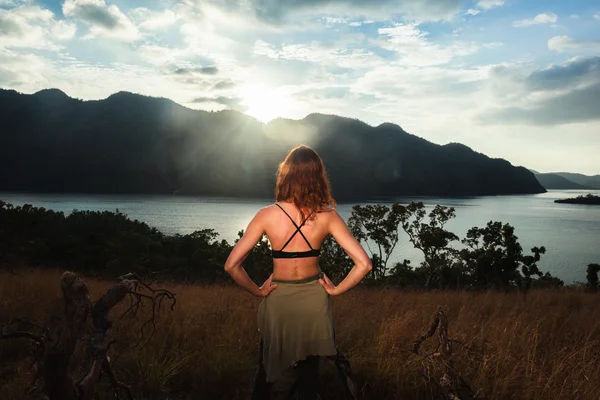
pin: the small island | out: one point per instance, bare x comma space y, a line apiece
587, 199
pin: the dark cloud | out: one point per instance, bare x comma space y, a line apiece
565, 76
211, 70
230, 102
8, 27
221, 85
208, 70
106, 20
579, 105
97, 15
276, 10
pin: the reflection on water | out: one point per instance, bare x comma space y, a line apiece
570, 232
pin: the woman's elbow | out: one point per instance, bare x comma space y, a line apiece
229, 267
367, 266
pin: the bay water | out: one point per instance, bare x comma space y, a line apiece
570, 232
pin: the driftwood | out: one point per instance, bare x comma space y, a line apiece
53, 353
439, 367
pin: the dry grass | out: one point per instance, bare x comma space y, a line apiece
545, 348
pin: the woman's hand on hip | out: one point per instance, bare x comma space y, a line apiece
330, 288
266, 288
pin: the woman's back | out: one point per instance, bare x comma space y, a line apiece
296, 235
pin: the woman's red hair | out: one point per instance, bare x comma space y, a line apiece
302, 179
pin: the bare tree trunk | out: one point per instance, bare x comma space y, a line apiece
57, 353
58, 383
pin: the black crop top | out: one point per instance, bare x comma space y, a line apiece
296, 254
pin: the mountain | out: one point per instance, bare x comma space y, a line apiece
555, 181
592, 182
129, 143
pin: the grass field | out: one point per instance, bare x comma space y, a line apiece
544, 347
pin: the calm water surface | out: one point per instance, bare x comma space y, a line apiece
570, 233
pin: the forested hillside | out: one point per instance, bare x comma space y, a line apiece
129, 143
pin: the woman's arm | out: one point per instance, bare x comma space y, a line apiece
233, 265
362, 262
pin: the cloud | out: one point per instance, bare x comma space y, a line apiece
278, 11
158, 55
360, 23
565, 43
413, 47
24, 71
223, 85
560, 94
484, 5
63, 30
576, 72
401, 82
318, 53
579, 105
487, 4
207, 70
152, 20
33, 27
107, 21
9, 27
597, 16
544, 18
233, 103
335, 20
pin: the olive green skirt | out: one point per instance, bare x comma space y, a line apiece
295, 322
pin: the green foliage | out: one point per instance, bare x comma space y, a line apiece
377, 227
108, 243
259, 263
589, 199
333, 260
494, 258
529, 266
592, 277
432, 239
547, 281
403, 275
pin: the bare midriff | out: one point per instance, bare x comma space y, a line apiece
294, 269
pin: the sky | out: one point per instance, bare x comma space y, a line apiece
514, 79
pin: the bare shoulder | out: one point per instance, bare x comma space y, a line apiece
265, 211
268, 212
329, 215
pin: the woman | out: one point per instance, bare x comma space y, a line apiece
294, 318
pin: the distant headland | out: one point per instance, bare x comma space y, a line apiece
589, 199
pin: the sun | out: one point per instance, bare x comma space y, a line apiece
265, 103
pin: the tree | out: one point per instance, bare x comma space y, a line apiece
492, 255
530, 268
259, 263
494, 258
333, 260
592, 277
376, 225
404, 275
432, 239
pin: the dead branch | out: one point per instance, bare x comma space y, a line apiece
156, 297
54, 363
440, 370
